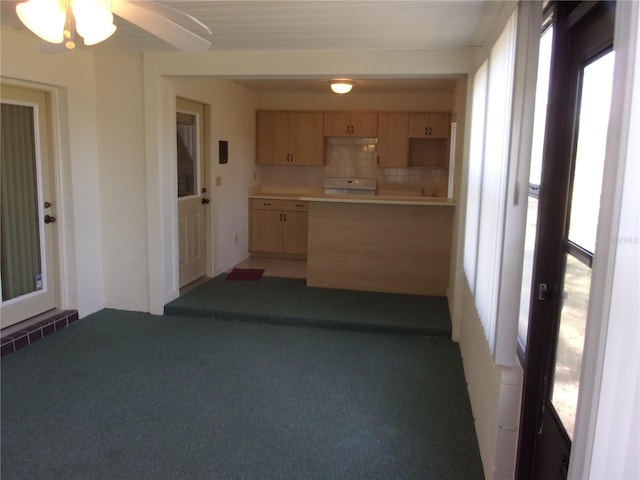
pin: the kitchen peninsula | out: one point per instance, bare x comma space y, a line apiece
383, 243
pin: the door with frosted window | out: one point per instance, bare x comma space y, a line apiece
568, 197
192, 198
27, 207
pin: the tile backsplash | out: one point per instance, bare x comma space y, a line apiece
351, 157
355, 157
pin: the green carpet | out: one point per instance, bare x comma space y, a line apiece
123, 395
288, 301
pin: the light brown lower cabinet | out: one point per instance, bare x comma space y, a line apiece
279, 226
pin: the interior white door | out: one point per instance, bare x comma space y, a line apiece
192, 198
27, 206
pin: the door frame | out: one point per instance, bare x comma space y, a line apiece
56, 147
554, 200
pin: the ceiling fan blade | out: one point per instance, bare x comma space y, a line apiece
177, 16
160, 26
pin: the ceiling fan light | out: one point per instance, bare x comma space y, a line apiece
45, 18
94, 20
341, 86
98, 36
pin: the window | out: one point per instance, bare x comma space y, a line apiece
488, 166
186, 133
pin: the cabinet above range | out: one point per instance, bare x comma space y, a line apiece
351, 124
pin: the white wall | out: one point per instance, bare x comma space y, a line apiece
70, 78
454, 295
494, 392
357, 101
121, 147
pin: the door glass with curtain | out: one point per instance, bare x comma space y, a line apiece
20, 236
187, 153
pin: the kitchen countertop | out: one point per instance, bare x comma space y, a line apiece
317, 195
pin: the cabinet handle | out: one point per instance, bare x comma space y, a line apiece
430, 130
280, 217
285, 217
266, 204
299, 205
426, 130
378, 161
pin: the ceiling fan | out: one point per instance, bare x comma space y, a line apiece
58, 21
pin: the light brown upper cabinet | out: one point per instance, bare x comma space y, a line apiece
393, 140
350, 124
290, 138
429, 125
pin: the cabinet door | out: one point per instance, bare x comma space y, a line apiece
295, 232
429, 125
273, 138
440, 125
307, 140
354, 124
336, 124
364, 124
266, 230
393, 140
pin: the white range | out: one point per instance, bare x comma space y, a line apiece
350, 185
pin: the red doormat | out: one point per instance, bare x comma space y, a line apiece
251, 274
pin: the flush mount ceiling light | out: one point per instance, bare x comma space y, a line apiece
341, 86
53, 20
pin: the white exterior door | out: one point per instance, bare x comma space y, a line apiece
192, 198
27, 207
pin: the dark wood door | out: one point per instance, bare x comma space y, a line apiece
565, 240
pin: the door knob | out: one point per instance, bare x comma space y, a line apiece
205, 200
49, 219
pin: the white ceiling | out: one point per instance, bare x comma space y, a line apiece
318, 25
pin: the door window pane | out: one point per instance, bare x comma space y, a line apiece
19, 226
527, 270
592, 137
535, 172
593, 123
187, 153
573, 320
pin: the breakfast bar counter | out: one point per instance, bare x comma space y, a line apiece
316, 195
382, 243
